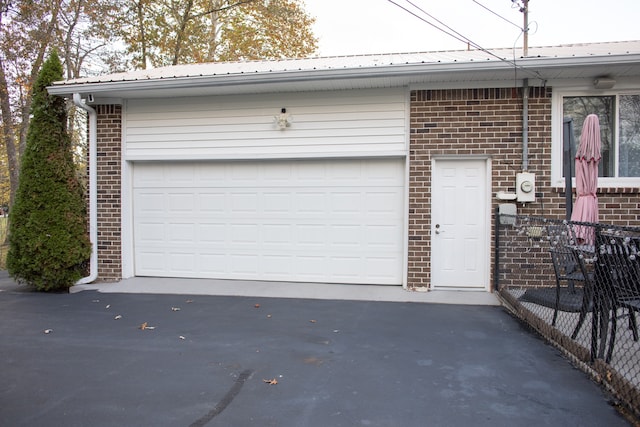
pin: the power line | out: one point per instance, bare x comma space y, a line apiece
460, 37
498, 15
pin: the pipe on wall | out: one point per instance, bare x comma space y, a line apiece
93, 189
525, 124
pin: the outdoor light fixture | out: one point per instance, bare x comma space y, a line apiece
283, 120
604, 83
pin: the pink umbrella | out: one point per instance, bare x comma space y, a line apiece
587, 158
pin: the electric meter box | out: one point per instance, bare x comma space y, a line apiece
525, 187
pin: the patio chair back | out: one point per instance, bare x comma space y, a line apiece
619, 260
618, 280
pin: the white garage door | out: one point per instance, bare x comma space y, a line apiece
333, 221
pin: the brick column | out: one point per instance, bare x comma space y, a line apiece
109, 155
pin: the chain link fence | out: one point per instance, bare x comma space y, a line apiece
578, 284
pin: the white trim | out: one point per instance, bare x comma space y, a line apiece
126, 226
557, 179
407, 167
275, 156
487, 220
126, 207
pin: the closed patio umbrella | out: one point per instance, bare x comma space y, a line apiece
588, 156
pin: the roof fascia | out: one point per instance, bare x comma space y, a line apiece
535, 66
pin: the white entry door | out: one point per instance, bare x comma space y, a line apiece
460, 224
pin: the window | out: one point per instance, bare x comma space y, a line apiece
619, 116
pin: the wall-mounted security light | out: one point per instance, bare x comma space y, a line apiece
283, 120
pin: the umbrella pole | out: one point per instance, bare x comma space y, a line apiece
567, 159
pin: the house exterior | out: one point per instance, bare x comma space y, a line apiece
374, 169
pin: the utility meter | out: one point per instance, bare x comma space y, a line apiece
526, 187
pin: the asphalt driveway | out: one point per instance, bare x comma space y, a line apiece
84, 359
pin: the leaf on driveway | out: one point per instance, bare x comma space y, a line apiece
272, 381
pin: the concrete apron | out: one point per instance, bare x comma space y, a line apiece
173, 286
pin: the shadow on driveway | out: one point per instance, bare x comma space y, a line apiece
244, 361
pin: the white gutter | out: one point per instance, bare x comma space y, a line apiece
93, 189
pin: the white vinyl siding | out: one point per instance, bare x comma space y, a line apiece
323, 124
332, 220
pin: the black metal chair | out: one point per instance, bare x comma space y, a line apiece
619, 277
573, 292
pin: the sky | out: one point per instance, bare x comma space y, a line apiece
351, 27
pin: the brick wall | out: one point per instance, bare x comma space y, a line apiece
489, 122
109, 156
469, 122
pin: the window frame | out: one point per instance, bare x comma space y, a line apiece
557, 99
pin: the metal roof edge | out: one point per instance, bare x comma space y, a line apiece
534, 65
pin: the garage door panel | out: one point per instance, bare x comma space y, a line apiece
180, 202
277, 235
246, 265
212, 265
382, 203
310, 203
181, 233
345, 268
385, 268
382, 237
317, 221
212, 202
150, 202
311, 268
311, 236
212, 233
346, 202
277, 202
244, 203
150, 233
181, 262
244, 235
345, 236
151, 261
277, 267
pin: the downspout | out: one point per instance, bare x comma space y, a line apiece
93, 189
525, 124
